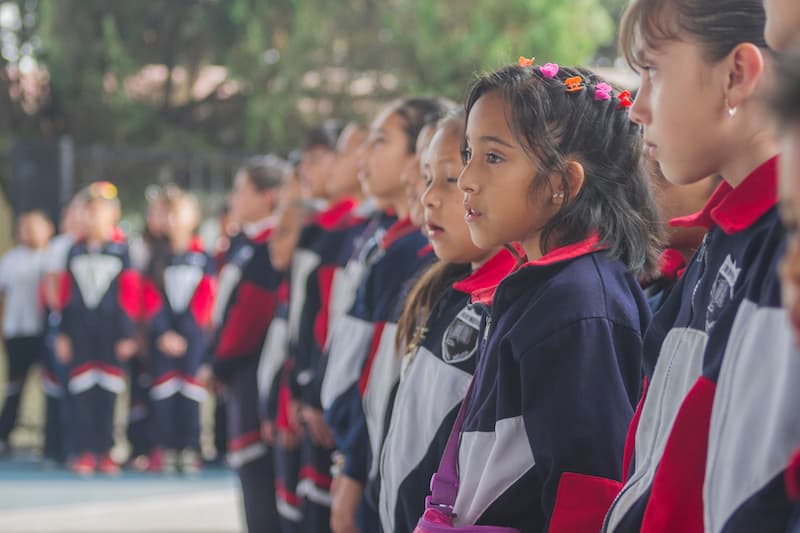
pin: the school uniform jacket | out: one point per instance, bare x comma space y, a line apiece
273, 358
335, 232
182, 303
245, 304
434, 379
340, 368
357, 415
707, 318
100, 296
557, 381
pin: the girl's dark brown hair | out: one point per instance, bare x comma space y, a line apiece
718, 25
418, 111
554, 127
266, 173
432, 284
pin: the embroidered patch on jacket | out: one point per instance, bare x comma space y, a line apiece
722, 290
460, 339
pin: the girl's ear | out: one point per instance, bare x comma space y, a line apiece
745, 65
574, 176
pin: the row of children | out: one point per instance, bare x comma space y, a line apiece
502, 369
512, 358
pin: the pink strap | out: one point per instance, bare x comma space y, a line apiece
444, 483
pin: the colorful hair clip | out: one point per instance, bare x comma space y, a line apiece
574, 84
603, 91
102, 190
625, 100
525, 62
549, 70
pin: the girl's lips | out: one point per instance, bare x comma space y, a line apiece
471, 214
433, 231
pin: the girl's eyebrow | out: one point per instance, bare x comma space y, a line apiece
498, 140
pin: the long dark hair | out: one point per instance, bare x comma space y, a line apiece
555, 127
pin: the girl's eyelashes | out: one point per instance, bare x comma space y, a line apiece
466, 155
427, 179
452, 179
492, 158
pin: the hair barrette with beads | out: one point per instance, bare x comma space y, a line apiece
526, 62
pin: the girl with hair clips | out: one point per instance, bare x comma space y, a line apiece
552, 162
692, 463
357, 411
245, 305
438, 332
177, 306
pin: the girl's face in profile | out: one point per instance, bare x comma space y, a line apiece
502, 205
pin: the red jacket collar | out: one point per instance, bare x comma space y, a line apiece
425, 250
671, 264
489, 275
398, 230
735, 210
117, 235
196, 245
335, 214
558, 255
565, 253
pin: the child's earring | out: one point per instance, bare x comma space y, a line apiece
558, 197
731, 110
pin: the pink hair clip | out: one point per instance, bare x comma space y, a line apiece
603, 91
525, 62
549, 70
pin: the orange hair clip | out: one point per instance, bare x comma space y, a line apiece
574, 84
525, 62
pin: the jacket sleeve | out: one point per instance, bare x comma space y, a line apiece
249, 316
587, 374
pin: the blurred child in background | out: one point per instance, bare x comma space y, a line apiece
21, 272
178, 303
101, 301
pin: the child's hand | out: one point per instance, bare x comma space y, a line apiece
172, 344
321, 434
346, 500
63, 347
268, 432
204, 376
126, 349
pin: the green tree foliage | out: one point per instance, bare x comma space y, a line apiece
130, 71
